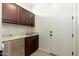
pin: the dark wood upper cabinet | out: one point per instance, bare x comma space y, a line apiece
31, 18
23, 16
12, 13
9, 13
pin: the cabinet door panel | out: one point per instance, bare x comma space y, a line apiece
31, 17
24, 17
9, 13
31, 45
35, 41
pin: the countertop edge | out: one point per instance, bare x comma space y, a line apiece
17, 37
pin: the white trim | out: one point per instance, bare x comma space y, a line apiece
74, 28
77, 29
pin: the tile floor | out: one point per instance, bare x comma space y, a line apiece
40, 53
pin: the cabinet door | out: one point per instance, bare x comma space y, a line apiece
9, 13
36, 42
31, 17
24, 17
31, 45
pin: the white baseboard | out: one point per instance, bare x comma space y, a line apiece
47, 51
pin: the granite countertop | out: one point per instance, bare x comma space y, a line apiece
12, 37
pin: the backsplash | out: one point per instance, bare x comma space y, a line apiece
15, 29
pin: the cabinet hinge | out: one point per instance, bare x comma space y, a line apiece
72, 17
72, 35
72, 53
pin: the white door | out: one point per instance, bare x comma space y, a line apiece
61, 40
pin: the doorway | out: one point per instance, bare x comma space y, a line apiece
61, 42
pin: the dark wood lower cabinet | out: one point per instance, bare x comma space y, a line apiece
31, 45
0, 52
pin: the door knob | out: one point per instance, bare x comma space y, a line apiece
50, 34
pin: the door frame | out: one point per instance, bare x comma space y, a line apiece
74, 29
